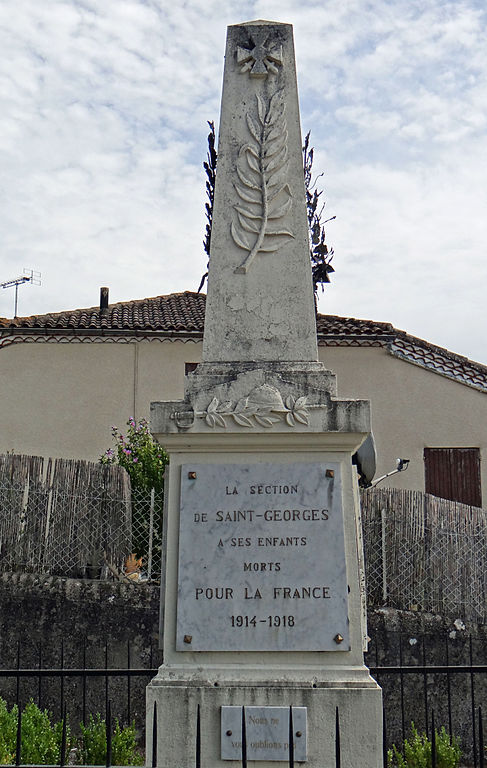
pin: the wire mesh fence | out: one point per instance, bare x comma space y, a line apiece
90, 534
78, 519
425, 553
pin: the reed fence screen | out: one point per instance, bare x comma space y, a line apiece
425, 553
75, 518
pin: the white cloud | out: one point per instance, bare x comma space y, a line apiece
103, 132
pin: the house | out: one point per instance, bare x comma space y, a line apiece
66, 377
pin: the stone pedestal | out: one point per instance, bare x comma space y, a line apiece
178, 701
331, 674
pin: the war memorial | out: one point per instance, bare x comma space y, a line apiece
262, 593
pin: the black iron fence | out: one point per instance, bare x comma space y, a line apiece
88, 687
449, 694
433, 681
244, 743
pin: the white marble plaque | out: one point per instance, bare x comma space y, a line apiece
261, 558
266, 731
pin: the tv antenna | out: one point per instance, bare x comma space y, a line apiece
29, 276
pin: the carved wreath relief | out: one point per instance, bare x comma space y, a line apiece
264, 406
265, 197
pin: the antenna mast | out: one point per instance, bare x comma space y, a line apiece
29, 276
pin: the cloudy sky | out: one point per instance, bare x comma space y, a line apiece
103, 131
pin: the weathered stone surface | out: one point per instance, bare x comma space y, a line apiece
259, 287
358, 708
298, 397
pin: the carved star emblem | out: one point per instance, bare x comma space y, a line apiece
263, 58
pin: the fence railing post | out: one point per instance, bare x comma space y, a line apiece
291, 738
129, 685
154, 736
481, 739
62, 753
383, 533
18, 745
338, 753
151, 532
472, 699
198, 738
108, 726
244, 740
61, 679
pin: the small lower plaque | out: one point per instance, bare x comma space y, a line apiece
267, 733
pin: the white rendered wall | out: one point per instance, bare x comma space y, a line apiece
60, 399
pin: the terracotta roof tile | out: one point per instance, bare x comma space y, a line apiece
333, 325
175, 312
184, 313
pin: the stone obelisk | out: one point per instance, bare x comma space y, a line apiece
261, 590
260, 298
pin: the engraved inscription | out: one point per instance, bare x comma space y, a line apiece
261, 558
267, 733
265, 196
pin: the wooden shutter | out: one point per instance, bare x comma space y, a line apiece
453, 473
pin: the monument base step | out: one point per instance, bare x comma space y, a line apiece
359, 708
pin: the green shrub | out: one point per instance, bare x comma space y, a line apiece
93, 744
8, 733
40, 739
145, 461
124, 748
416, 752
92, 747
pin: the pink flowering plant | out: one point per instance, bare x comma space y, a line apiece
145, 461
138, 452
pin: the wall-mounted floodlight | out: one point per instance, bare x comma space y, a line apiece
401, 466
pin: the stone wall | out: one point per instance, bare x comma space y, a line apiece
50, 613
420, 639
78, 621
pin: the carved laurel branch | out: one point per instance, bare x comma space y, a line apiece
263, 190
251, 414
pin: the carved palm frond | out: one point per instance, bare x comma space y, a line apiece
264, 195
